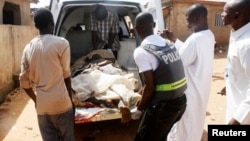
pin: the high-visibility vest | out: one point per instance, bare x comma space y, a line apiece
169, 76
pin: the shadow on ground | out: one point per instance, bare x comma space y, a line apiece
9, 115
111, 130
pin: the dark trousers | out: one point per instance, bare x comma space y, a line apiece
159, 118
59, 127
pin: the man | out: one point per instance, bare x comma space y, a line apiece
237, 71
45, 65
104, 25
160, 67
197, 54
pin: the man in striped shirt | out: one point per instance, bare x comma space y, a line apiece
104, 25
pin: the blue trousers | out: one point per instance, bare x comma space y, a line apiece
58, 127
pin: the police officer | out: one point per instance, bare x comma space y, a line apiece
160, 67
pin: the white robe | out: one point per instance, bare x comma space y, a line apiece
197, 54
237, 76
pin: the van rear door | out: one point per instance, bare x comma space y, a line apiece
54, 8
155, 8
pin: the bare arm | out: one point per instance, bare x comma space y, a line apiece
31, 94
24, 79
68, 85
148, 90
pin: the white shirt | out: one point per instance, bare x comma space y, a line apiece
237, 76
46, 63
144, 60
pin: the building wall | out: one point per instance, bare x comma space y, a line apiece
12, 42
24, 10
176, 20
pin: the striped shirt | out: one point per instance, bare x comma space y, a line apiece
104, 27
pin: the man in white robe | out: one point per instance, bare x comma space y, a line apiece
197, 54
237, 71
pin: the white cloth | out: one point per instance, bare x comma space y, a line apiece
103, 86
145, 60
237, 76
197, 54
136, 114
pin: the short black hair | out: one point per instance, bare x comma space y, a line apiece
143, 18
98, 7
198, 10
42, 18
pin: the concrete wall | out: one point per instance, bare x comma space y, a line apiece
24, 10
12, 42
176, 20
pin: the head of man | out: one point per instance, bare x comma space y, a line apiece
196, 17
100, 12
44, 20
236, 13
144, 24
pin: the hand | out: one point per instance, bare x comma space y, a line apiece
141, 90
167, 34
136, 114
159, 33
163, 33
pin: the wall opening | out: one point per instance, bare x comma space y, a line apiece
218, 20
11, 14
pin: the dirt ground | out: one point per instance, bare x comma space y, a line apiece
18, 117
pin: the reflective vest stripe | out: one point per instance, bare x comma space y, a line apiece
171, 86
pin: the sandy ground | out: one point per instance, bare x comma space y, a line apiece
18, 117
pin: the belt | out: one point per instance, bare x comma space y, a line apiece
171, 86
